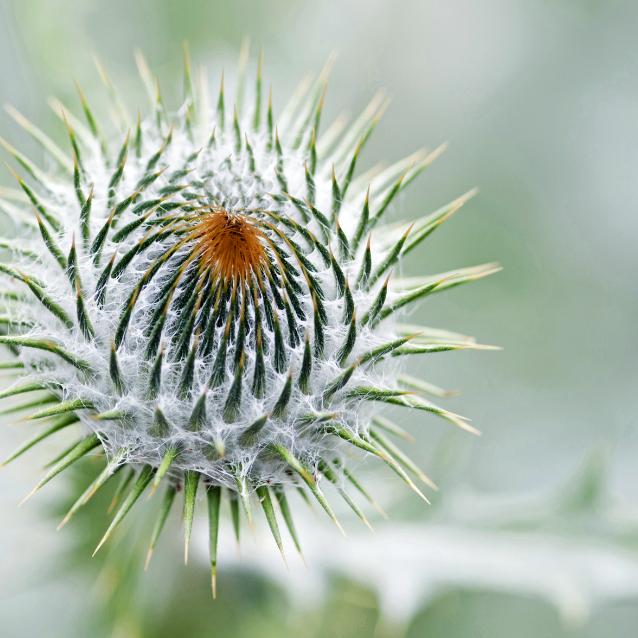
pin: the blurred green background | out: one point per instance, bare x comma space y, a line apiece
535, 529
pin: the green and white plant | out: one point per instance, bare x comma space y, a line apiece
210, 297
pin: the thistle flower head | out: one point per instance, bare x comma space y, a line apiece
213, 300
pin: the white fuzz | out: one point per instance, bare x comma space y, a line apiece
215, 295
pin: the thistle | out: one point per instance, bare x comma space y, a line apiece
212, 301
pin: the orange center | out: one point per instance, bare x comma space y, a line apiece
229, 244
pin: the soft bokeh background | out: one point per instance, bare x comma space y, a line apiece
535, 530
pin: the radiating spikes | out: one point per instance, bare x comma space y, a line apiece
52, 306
362, 224
128, 474
92, 122
146, 75
233, 502
21, 407
321, 219
305, 474
85, 219
29, 386
382, 178
377, 304
102, 282
37, 289
389, 426
189, 93
161, 429
336, 198
438, 283
165, 508
115, 372
198, 415
249, 436
368, 446
138, 136
270, 122
354, 439
279, 347
143, 479
112, 415
389, 261
425, 226
312, 153
347, 178
77, 180
233, 400
263, 493
400, 472
259, 374
191, 482
167, 461
244, 495
327, 471
258, 82
392, 192
79, 450
100, 239
53, 221
50, 243
24, 161
402, 398
155, 377
40, 137
119, 171
402, 458
244, 53
348, 305
415, 170
65, 452
63, 407
377, 353
213, 495
344, 247
123, 116
58, 425
221, 109
237, 132
280, 167
279, 408
338, 383
72, 265
348, 344
286, 319
340, 278
318, 323
309, 116
108, 471
357, 485
70, 125
286, 514
188, 372
413, 383
371, 114
310, 186
292, 106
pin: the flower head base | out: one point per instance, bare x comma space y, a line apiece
213, 302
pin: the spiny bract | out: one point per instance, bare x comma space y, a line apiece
212, 299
